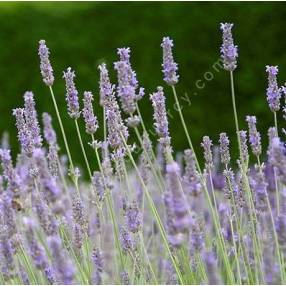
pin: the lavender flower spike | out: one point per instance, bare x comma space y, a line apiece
90, 119
170, 68
224, 148
106, 88
49, 132
71, 94
254, 135
160, 116
32, 118
273, 91
45, 66
24, 136
228, 49
207, 144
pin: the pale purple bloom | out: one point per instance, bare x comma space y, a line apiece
6, 251
273, 91
191, 177
133, 217
254, 135
9, 173
127, 82
207, 145
45, 66
106, 88
90, 119
24, 134
126, 240
117, 131
229, 51
196, 236
170, 67
7, 214
46, 219
98, 265
37, 251
78, 211
281, 231
224, 148
277, 157
49, 132
100, 185
243, 145
31, 118
63, 267
71, 94
160, 116
211, 268
259, 187
178, 219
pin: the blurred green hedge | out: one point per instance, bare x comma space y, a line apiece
83, 34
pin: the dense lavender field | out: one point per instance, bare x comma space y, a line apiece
145, 216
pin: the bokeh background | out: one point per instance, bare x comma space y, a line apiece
84, 34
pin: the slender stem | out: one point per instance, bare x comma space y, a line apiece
104, 124
111, 212
62, 129
275, 122
154, 211
185, 127
83, 150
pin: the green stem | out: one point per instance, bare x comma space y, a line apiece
185, 127
154, 211
83, 150
62, 129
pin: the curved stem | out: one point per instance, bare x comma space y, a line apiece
62, 129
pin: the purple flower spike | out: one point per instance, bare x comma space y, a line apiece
170, 68
106, 88
228, 50
45, 66
63, 266
71, 94
32, 118
98, 264
49, 132
191, 177
127, 82
207, 145
90, 119
254, 135
126, 240
160, 116
134, 218
24, 136
224, 148
243, 145
273, 91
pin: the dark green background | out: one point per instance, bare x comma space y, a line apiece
82, 35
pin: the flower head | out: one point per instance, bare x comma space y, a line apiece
45, 65
228, 50
90, 119
170, 67
224, 148
273, 92
127, 82
49, 132
106, 88
160, 116
71, 94
207, 145
254, 135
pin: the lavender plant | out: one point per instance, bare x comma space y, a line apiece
157, 219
